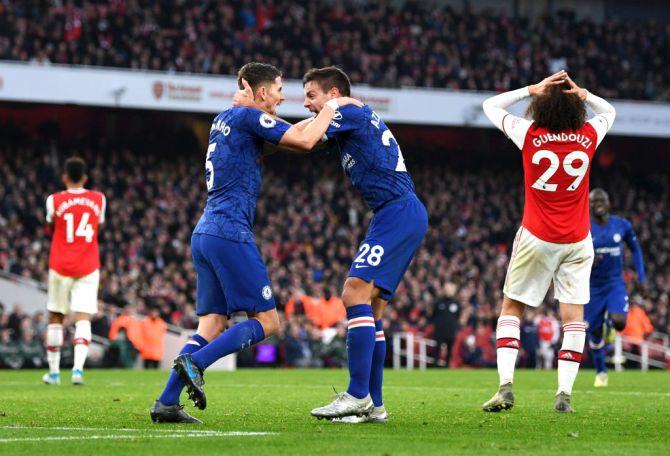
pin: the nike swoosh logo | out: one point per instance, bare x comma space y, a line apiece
358, 266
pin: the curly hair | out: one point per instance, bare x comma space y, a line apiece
557, 111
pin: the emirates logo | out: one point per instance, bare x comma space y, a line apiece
157, 90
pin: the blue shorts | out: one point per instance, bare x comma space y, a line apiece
610, 298
231, 276
394, 236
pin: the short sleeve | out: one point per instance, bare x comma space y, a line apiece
346, 119
601, 125
50, 209
264, 126
515, 128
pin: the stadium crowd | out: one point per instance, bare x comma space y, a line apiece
382, 43
308, 224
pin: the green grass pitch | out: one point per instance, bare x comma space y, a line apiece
260, 411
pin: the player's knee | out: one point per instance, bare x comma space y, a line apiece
618, 321
356, 291
269, 321
210, 326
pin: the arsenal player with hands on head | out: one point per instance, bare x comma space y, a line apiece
553, 243
74, 264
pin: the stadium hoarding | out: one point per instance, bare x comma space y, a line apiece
55, 84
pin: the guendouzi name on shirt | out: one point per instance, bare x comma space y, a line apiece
585, 141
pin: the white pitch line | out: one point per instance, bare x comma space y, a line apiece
63, 428
125, 437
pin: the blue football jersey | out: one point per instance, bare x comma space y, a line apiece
607, 243
370, 155
233, 171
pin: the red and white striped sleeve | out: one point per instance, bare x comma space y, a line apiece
514, 127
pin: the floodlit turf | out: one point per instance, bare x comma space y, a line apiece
432, 412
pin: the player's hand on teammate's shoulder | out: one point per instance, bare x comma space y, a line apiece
244, 97
541, 87
344, 101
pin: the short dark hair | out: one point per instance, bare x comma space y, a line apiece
557, 111
257, 74
329, 77
75, 168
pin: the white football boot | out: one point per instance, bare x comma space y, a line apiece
601, 380
344, 405
77, 377
378, 415
51, 379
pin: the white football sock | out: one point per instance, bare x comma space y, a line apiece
82, 337
570, 355
507, 346
54, 344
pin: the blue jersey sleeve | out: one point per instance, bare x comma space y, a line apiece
346, 119
262, 125
631, 241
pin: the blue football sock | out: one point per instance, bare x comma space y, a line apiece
236, 338
597, 347
377, 370
174, 384
360, 345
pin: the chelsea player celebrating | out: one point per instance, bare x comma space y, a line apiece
231, 276
372, 159
608, 290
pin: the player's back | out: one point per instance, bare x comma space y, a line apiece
556, 176
76, 215
607, 242
233, 171
370, 155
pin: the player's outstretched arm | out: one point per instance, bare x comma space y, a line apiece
308, 137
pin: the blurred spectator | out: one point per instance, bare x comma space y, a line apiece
529, 341
153, 335
638, 326
548, 332
388, 44
446, 320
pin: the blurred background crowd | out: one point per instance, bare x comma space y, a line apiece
309, 222
381, 43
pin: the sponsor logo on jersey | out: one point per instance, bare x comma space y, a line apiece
267, 291
266, 121
337, 116
617, 237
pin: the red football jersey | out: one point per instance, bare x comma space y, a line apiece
556, 166
556, 183
76, 214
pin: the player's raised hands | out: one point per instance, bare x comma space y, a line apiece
574, 88
244, 96
541, 87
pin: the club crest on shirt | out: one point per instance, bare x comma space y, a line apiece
266, 121
267, 292
616, 237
